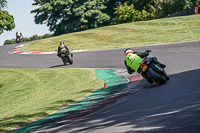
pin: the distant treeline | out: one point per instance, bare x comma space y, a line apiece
25, 39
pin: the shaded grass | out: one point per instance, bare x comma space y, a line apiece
167, 30
29, 94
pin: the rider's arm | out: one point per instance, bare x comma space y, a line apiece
66, 47
130, 70
58, 49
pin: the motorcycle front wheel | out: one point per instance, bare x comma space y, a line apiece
64, 60
18, 40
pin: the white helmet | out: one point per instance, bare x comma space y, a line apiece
128, 51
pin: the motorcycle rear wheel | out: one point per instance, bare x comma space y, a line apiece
155, 76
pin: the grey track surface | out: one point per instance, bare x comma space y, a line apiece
178, 57
173, 107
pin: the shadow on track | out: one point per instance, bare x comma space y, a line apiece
173, 107
56, 66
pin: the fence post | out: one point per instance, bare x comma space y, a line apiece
196, 10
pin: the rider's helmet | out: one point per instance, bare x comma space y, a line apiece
128, 51
62, 44
18, 33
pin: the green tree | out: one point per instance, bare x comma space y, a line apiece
179, 5
155, 7
3, 4
63, 16
35, 37
127, 13
161, 8
6, 20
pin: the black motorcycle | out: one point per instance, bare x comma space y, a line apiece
154, 72
67, 58
18, 39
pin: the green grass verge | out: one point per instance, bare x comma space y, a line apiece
29, 94
167, 30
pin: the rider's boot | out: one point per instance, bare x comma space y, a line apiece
162, 65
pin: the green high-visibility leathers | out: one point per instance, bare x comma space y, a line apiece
133, 61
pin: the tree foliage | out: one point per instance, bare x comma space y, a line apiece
63, 16
127, 13
161, 8
3, 4
6, 21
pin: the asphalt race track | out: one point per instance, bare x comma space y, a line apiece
173, 107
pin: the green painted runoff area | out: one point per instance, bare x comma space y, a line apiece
115, 83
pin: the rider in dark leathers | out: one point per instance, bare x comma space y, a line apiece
62, 47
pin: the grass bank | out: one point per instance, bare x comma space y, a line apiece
166, 30
29, 94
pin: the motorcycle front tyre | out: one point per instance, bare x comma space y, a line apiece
64, 61
17, 40
70, 60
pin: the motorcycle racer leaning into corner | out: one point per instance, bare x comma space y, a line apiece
135, 58
18, 34
61, 48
